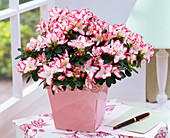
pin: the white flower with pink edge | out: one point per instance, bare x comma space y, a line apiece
20, 67
43, 26
47, 74
148, 51
118, 50
104, 72
57, 89
116, 71
89, 69
30, 64
80, 43
89, 82
65, 61
31, 44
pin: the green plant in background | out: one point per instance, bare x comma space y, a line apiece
5, 46
27, 27
3, 4
5, 49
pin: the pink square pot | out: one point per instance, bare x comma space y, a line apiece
79, 110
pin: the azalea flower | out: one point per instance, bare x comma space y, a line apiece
116, 71
54, 13
58, 38
40, 43
31, 45
89, 82
76, 72
65, 61
60, 77
131, 58
20, 67
104, 72
69, 73
80, 43
43, 26
79, 27
148, 51
30, 64
57, 89
47, 74
89, 69
42, 58
97, 51
119, 50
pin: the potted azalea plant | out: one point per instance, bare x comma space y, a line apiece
77, 57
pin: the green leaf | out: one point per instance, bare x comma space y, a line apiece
106, 61
45, 85
82, 60
135, 70
28, 79
80, 88
58, 51
20, 49
53, 92
56, 82
41, 83
99, 81
123, 75
108, 82
72, 86
86, 28
90, 18
104, 31
105, 56
64, 88
35, 76
114, 81
128, 73
21, 56
88, 56
64, 82
89, 48
75, 62
78, 83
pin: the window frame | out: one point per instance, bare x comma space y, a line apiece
21, 97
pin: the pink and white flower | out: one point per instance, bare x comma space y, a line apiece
89, 82
131, 58
57, 89
148, 51
118, 50
65, 61
31, 45
43, 26
76, 72
116, 71
40, 43
30, 64
96, 51
80, 43
104, 72
47, 74
42, 58
60, 77
79, 27
69, 73
20, 67
89, 69
57, 37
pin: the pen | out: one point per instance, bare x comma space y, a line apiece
130, 121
